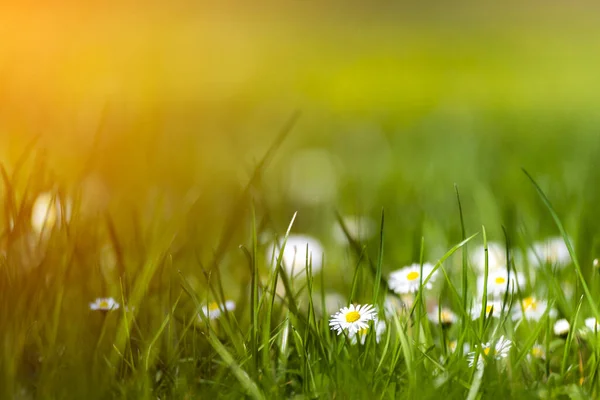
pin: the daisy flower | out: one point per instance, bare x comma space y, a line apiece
333, 302
531, 309
493, 307
453, 345
393, 306
408, 279
561, 328
592, 324
496, 257
213, 310
499, 281
294, 254
488, 351
104, 304
537, 351
352, 319
444, 316
47, 211
380, 328
552, 251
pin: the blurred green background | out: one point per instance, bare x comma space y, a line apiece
139, 108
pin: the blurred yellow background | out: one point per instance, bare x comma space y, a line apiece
196, 87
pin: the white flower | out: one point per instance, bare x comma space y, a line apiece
333, 301
537, 351
393, 306
359, 228
499, 281
48, 211
104, 304
352, 319
492, 309
592, 324
552, 251
380, 328
561, 327
453, 345
214, 310
408, 279
488, 351
443, 316
496, 257
532, 309
294, 254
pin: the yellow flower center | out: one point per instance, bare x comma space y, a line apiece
446, 317
352, 316
537, 352
103, 304
488, 309
213, 306
412, 275
363, 331
487, 351
530, 303
500, 280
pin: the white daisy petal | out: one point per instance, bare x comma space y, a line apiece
496, 257
592, 324
214, 310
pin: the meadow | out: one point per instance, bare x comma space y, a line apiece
194, 207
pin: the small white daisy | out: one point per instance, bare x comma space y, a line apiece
443, 316
531, 309
48, 211
499, 281
352, 319
393, 306
295, 252
496, 257
104, 304
561, 328
592, 324
489, 351
333, 302
492, 309
552, 251
380, 328
537, 351
408, 279
213, 310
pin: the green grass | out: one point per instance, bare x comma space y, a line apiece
277, 343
